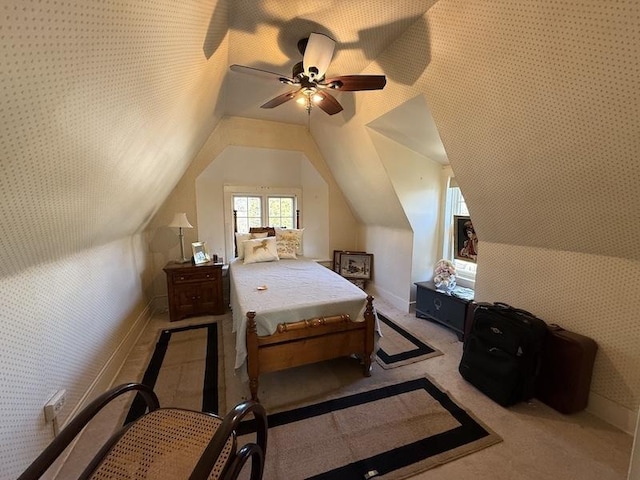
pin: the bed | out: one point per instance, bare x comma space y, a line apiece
292, 312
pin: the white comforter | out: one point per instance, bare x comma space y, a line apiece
295, 290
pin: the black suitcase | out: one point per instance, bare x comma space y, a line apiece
567, 366
503, 352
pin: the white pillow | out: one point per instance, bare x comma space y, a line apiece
260, 250
241, 237
289, 242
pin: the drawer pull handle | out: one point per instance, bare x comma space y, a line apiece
181, 278
437, 303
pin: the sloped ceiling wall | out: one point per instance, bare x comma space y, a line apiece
103, 106
537, 106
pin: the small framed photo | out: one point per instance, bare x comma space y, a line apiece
200, 253
356, 265
336, 259
465, 240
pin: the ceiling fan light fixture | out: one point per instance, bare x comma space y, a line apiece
308, 78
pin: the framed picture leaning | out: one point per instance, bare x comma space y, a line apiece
356, 265
336, 258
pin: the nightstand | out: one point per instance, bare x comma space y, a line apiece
194, 290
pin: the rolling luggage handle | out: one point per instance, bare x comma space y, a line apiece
513, 309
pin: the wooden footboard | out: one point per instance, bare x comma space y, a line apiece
308, 341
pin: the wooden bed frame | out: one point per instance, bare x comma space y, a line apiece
308, 340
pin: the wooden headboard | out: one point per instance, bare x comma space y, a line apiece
271, 231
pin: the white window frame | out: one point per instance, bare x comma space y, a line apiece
455, 205
254, 191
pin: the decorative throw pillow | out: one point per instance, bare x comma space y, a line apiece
260, 250
289, 242
241, 237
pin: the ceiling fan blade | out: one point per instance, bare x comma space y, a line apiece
261, 73
352, 83
317, 55
280, 99
328, 102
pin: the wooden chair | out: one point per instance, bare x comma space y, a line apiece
164, 443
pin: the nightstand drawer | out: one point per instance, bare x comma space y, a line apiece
188, 277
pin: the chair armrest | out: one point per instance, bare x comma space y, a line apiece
66, 436
229, 425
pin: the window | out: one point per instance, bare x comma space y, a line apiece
455, 205
259, 207
264, 210
249, 212
281, 212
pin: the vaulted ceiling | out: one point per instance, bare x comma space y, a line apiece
535, 106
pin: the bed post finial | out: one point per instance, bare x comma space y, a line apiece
235, 230
370, 319
253, 369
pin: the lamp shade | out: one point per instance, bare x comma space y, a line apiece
180, 221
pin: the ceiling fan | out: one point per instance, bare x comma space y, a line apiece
308, 77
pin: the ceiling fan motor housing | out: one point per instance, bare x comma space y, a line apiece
298, 70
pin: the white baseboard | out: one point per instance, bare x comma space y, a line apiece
612, 413
104, 380
112, 367
399, 303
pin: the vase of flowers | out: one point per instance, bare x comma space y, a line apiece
444, 276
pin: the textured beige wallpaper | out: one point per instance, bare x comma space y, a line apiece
590, 294
62, 321
103, 105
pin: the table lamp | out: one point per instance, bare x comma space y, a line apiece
180, 221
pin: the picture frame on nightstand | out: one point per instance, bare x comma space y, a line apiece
200, 253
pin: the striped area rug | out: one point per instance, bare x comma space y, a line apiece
400, 347
392, 432
184, 371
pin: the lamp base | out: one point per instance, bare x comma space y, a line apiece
182, 260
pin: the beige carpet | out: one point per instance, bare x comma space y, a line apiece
400, 347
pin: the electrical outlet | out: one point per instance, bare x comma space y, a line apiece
54, 405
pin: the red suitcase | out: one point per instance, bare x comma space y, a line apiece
566, 369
